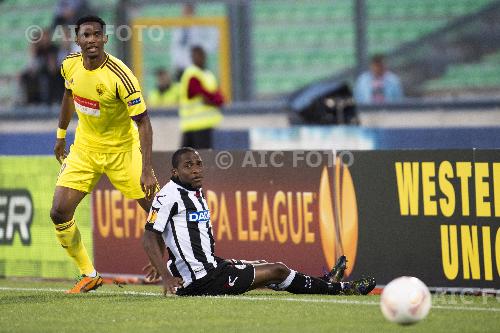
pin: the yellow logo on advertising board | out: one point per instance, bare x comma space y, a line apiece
338, 216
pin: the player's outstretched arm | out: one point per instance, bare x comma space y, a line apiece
148, 180
151, 274
67, 110
151, 243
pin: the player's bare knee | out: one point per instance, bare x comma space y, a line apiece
58, 215
281, 270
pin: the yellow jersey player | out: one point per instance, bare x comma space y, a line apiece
113, 136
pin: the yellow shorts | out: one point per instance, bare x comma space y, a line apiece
82, 169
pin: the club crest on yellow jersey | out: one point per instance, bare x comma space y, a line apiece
100, 88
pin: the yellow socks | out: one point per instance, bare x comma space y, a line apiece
69, 236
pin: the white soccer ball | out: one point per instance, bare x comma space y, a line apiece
405, 300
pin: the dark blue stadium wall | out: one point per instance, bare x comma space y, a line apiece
437, 138
400, 138
29, 143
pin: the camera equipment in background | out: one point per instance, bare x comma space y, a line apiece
323, 103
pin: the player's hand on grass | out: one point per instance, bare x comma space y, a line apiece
60, 150
152, 275
148, 183
170, 285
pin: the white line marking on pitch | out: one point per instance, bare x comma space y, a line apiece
260, 298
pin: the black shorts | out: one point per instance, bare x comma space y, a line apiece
226, 279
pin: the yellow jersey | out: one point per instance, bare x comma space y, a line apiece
106, 99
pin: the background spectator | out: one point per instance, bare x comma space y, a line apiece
67, 44
378, 85
166, 92
41, 81
68, 11
200, 100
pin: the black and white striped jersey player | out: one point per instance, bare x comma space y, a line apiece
180, 220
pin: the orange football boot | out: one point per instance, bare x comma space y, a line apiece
85, 284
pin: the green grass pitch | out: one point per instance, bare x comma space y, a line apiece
40, 306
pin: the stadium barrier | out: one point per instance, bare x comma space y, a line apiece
286, 138
429, 214
28, 245
369, 138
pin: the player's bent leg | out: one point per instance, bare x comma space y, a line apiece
63, 208
269, 273
283, 278
64, 204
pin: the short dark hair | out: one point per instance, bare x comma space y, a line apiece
377, 58
160, 71
176, 157
197, 48
87, 19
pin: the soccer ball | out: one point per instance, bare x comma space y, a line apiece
405, 300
